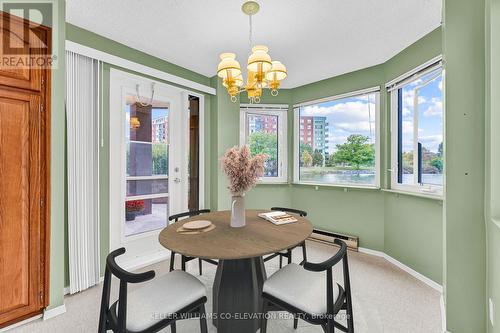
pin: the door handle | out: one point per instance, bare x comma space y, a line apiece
177, 180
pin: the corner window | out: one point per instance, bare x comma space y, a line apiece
417, 132
264, 130
340, 146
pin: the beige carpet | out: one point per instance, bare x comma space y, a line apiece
385, 298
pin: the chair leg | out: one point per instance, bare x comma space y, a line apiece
281, 261
331, 326
172, 260
295, 321
289, 255
183, 263
350, 319
200, 266
304, 253
263, 321
173, 327
203, 319
102, 324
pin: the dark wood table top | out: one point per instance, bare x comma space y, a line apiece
257, 238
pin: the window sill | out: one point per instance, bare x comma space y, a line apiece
346, 186
273, 183
416, 194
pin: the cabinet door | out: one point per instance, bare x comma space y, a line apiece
22, 48
20, 205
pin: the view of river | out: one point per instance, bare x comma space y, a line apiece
364, 178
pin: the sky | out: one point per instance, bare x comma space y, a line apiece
353, 115
430, 112
356, 115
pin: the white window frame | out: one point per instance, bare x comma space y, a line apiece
281, 111
296, 138
392, 88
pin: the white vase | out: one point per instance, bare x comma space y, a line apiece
238, 211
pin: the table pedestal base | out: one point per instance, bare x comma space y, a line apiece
237, 300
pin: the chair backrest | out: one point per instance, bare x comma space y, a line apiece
291, 210
327, 266
191, 213
125, 277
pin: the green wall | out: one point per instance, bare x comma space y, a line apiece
492, 121
464, 238
87, 38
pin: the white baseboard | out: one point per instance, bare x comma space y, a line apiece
443, 314
411, 271
51, 313
26, 321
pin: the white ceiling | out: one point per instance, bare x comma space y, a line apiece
315, 39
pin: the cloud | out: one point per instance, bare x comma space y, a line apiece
440, 85
407, 126
345, 115
435, 109
431, 142
409, 97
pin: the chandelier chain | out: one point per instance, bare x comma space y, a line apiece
250, 30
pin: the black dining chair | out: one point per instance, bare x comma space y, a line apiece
152, 307
185, 259
303, 292
288, 252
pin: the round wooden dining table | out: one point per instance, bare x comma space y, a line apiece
240, 273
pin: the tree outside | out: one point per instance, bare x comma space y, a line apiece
317, 158
265, 143
355, 152
306, 155
160, 159
432, 163
306, 159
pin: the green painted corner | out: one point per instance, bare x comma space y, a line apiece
57, 167
464, 237
492, 191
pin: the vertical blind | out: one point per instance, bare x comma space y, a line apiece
82, 114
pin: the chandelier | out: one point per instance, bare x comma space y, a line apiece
263, 73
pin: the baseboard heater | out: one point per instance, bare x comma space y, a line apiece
328, 237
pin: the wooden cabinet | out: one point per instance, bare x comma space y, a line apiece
24, 193
22, 66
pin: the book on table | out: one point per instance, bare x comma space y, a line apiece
278, 218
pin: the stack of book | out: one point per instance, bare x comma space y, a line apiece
278, 218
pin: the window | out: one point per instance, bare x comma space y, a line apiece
146, 136
263, 129
417, 132
340, 146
